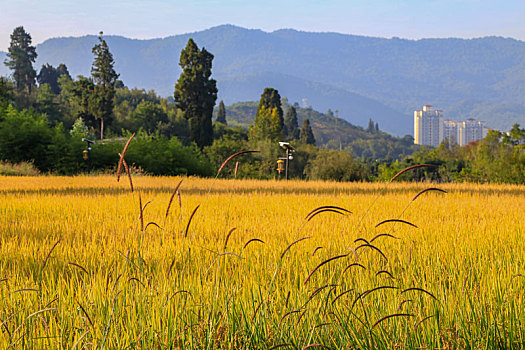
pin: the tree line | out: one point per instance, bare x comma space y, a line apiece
44, 116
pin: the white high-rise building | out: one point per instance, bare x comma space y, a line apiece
428, 126
450, 131
430, 129
469, 130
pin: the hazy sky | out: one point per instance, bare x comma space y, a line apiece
159, 18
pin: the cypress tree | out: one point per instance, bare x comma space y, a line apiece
195, 92
307, 136
221, 114
268, 123
104, 77
291, 125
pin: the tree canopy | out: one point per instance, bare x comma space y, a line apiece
221, 114
268, 123
196, 92
20, 59
291, 125
104, 77
307, 135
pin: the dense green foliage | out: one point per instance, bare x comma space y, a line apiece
362, 77
20, 60
306, 134
105, 78
44, 126
268, 123
195, 92
50, 75
291, 125
221, 114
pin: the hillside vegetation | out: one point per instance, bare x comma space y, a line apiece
389, 78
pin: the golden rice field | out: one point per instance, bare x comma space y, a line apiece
81, 268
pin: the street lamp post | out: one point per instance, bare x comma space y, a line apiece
289, 150
85, 153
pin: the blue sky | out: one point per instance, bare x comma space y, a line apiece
411, 19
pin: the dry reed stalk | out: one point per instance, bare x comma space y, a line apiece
328, 207
390, 316
420, 290
141, 216
231, 157
383, 235
287, 314
322, 325
316, 345
403, 303
40, 312
51, 302
385, 272
228, 237
427, 190
370, 291
133, 279
119, 168
151, 223
300, 317
316, 249
4, 323
181, 292
26, 290
324, 211
372, 247
189, 221
280, 346
321, 264
230, 253
287, 299
340, 295
256, 310
171, 199
127, 172
171, 266
413, 167
422, 320
396, 220
236, 169
116, 282
355, 254
361, 239
354, 264
291, 244
49, 254
318, 290
80, 267
86, 314
252, 240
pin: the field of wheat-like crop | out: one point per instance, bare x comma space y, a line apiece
235, 264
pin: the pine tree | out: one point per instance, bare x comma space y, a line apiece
307, 136
104, 77
268, 123
20, 59
291, 125
195, 92
221, 114
49, 75
371, 127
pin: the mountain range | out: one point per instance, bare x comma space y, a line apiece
359, 77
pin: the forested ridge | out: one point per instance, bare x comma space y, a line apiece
46, 116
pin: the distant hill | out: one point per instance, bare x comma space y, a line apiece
332, 132
361, 77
